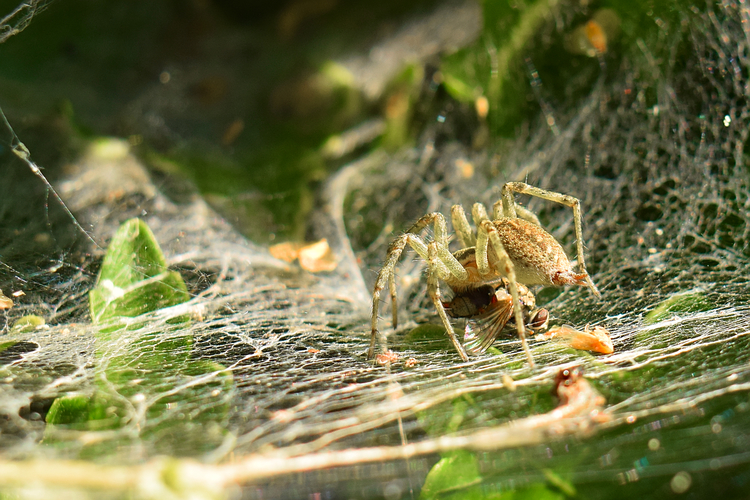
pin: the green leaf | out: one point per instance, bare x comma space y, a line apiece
692, 301
561, 484
7, 345
460, 89
206, 398
141, 366
28, 323
447, 416
69, 410
429, 338
687, 302
455, 471
134, 278
456, 476
538, 491
80, 412
207, 426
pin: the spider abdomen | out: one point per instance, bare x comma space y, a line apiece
537, 257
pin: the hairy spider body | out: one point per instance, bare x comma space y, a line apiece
537, 256
512, 245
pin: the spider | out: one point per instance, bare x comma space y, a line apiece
512, 245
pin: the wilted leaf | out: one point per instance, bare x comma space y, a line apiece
5, 302
314, 257
591, 339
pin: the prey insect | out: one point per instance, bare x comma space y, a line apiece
488, 310
511, 246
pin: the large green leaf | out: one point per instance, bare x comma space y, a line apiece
141, 365
134, 278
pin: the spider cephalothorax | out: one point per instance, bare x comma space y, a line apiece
512, 245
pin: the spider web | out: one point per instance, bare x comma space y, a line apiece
20, 17
656, 157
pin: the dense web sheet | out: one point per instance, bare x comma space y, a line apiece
657, 159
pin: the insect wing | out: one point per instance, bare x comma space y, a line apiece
482, 330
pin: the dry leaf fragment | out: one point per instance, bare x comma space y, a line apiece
387, 357
594, 339
232, 132
593, 37
287, 251
314, 257
465, 168
577, 394
5, 302
482, 107
317, 257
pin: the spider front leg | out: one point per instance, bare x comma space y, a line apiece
509, 209
444, 265
433, 288
501, 264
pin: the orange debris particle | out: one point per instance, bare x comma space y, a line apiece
594, 339
387, 357
314, 257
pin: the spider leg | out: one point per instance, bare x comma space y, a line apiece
461, 226
479, 214
433, 289
445, 266
394, 298
486, 236
509, 210
521, 212
385, 276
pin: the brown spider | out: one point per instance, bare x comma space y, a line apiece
512, 245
